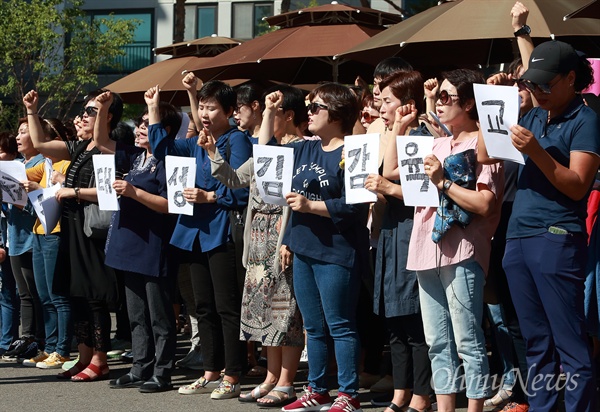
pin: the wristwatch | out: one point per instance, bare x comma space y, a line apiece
447, 184
523, 31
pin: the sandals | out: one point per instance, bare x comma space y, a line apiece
78, 367
257, 393
280, 396
500, 398
100, 374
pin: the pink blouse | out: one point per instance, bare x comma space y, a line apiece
458, 244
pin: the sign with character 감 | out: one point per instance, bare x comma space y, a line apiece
361, 158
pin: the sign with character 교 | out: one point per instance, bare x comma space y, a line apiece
417, 189
273, 168
498, 109
361, 158
181, 174
104, 172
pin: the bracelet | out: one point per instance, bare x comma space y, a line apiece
31, 114
76, 189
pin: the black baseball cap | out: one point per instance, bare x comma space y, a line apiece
550, 59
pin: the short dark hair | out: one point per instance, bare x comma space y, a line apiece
293, 99
123, 133
391, 65
8, 143
341, 102
116, 107
250, 92
584, 74
463, 80
406, 86
219, 91
169, 116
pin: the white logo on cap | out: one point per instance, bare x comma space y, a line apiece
535, 60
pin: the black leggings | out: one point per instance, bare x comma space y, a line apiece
91, 323
32, 317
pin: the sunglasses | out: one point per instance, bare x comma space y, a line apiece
314, 107
91, 111
144, 122
533, 87
445, 98
368, 116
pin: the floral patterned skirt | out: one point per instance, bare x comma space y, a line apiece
270, 314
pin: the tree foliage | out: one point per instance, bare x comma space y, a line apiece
53, 47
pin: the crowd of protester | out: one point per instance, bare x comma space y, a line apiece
499, 266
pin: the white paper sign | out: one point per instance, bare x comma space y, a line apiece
12, 173
273, 168
181, 174
104, 170
46, 206
417, 189
498, 109
361, 158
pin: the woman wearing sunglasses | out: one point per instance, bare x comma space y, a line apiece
329, 239
80, 267
450, 247
546, 248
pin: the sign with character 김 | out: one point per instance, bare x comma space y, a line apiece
181, 174
417, 189
273, 168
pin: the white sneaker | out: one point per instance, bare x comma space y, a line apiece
54, 361
40, 357
200, 386
226, 390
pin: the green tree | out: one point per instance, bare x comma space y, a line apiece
53, 47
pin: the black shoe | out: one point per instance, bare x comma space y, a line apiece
126, 381
156, 384
18, 347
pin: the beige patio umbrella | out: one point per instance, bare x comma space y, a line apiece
589, 11
475, 32
204, 46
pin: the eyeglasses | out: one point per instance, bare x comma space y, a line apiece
533, 87
239, 107
314, 107
445, 98
368, 116
91, 111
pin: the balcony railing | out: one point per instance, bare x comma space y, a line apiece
137, 56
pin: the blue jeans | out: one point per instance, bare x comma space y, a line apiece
327, 296
9, 305
452, 308
56, 308
504, 345
546, 276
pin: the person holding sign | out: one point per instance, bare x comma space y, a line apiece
450, 246
56, 308
20, 240
546, 247
206, 237
330, 242
396, 292
80, 269
268, 288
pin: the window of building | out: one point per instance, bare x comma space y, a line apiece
248, 19
138, 54
206, 20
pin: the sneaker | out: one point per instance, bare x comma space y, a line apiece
310, 401
200, 386
18, 347
126, 356
226, 390
193, 360
31, 351
54, 361
516, 407
68, 365
39, 357
118, 346
345, 403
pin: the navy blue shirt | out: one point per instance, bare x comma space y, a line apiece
336, 239
138, 236
538, 204
210, 222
